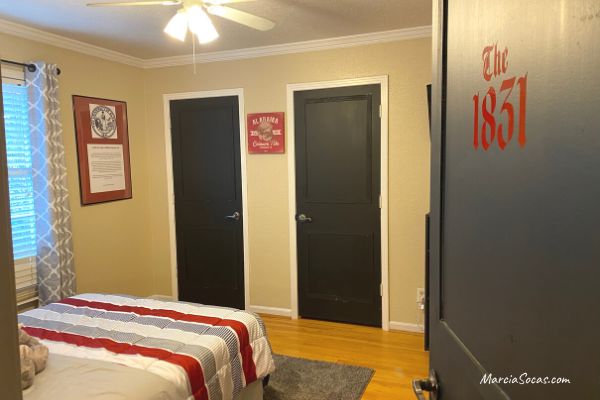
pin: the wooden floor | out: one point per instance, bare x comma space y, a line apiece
396, 357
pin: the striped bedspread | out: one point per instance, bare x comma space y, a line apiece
209, 353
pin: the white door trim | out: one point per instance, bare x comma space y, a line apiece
170, 187
291, 88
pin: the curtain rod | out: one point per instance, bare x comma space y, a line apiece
30, 67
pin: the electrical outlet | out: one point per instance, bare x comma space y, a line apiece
421, 298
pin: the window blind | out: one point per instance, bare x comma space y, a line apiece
20, 183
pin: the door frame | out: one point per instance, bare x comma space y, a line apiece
382, 81
167, 98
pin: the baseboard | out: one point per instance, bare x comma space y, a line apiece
283, 312
405, 327
286, 312
161, 297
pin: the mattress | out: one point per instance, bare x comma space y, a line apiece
70, 378
176, 350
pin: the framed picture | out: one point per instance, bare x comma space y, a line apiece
266, 133
102, 149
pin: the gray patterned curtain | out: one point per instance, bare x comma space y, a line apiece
55, 268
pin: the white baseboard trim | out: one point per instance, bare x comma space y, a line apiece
286, 312
283, 312
161, 297
405, 327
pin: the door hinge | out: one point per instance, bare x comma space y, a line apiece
381, 289
380, 111
380, 202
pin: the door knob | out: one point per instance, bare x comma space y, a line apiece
302, 218
426, 385
234, 217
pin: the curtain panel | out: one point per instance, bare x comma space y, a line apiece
54, 260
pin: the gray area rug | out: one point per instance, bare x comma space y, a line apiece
300, 379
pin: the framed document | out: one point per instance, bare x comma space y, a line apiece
102, 149
266, 133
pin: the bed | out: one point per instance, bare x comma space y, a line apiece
113, 347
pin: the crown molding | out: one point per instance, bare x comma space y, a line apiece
37, 35
296, 47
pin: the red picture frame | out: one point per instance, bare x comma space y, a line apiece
103, 157
266, 133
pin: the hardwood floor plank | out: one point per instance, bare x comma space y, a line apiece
396, 357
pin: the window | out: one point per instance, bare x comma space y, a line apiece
20, 182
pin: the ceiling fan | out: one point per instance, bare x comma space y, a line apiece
193, 14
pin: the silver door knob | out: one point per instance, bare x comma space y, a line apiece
234, 217
302, 218
426, 385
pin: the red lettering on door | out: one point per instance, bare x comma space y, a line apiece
501, 126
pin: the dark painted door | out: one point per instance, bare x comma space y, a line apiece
9, 369
337, 196
515, 245
208, 200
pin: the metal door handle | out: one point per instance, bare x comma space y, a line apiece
234, 217
302, 218
426, 385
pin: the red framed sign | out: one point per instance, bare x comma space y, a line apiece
266, 133
102, 149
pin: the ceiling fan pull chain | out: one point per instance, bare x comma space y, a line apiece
194, 53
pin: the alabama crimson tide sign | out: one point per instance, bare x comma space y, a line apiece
266, 133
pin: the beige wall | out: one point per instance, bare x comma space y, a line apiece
110, 240
123, 247
264, 80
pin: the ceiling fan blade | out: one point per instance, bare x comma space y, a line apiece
241, 17
137, 3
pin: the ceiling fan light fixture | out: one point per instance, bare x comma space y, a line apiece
201, 25
178, 26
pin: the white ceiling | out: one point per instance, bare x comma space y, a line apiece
137, 31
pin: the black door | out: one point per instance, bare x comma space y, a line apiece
337, 196
515, 200
208, 200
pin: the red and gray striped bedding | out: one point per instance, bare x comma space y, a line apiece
208, 353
